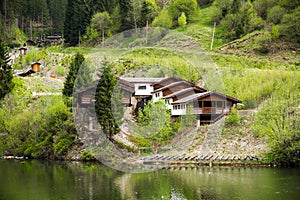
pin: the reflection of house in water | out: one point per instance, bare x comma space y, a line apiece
180, 96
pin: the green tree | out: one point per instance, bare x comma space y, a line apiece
101, 22
105, 102
182, 20
275, 14
77, 18
127, 21
148, 12
6, 73
189, 7
71, 77
290, 26
163, 20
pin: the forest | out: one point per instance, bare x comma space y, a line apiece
91, 20
256, 48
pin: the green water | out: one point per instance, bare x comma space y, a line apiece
70, 180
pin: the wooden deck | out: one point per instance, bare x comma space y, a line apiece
205, 159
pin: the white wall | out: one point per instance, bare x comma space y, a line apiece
146, 91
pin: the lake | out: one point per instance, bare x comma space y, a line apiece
74, 180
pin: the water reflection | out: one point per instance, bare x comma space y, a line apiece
72, 180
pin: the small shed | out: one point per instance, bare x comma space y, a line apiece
54, 40
36, 66
30, 43
23, 50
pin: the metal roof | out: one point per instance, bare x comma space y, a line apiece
142, 79
204, 94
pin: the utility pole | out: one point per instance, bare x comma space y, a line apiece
213, 36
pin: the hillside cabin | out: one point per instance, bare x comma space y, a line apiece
36, 66
54, 40
208, 106
86, 97
181, 97
23, 50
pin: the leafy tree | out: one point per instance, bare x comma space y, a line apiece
234, 26
275, 14
71, 77
101, 22
155, 120
148, 12
106, 103
163, 20
189, 7
263, 6
182, 20
290, 27
6, 73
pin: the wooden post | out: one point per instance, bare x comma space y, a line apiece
213, 35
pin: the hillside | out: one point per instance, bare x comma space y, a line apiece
264, 73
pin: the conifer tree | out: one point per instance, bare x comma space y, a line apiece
107, 102
71, 77
6, 73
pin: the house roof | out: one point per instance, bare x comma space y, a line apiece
142, 79
180, 92
199, 96
125, 85
168, 78
173, 85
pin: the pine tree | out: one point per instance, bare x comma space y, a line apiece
71, 77
78, 16
107, 102
6, 73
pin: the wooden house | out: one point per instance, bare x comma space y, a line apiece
208, 106
36, 66
54, 40
23, 50
86, 97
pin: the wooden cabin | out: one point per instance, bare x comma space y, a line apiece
86, 97
36, 67
30, 43
54, 40
208, 106
23, 50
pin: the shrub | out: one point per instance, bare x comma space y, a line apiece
87, 156
233, 118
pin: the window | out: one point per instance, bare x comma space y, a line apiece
219, 104
167, 101
157, 94
182, 106
207, 104
142, 87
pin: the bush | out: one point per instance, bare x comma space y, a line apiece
87, 156
233, 118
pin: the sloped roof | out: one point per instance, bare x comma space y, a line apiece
173, 85
180, 92
199, 96
141, 79
167, 78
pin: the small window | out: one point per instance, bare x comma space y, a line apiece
157, 95
142, 87
219, 104
168, 101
